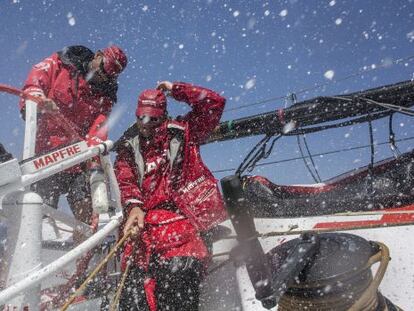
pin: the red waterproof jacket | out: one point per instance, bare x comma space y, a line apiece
167, 178
62, 78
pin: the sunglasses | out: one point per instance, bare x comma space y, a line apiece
102, 69
148, 119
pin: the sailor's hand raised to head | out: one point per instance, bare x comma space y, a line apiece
135, 221
165, 86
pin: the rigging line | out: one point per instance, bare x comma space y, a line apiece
393, 146
400, 108
269, 151
308, 231
392, 107
371, 142
314, 129
311, 158
243, 166
262, 153
264, 101
304, 160
118, 292
317, 86
310, 130
316, 155
256, 158
370, 179
368, 213
323, 230
100, 265
395, 108
249, 158
259, 155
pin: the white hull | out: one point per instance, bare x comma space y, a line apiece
230, 289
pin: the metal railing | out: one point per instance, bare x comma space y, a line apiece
24, 207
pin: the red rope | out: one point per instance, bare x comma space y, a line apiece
14, 91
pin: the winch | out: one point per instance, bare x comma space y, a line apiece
337, 277
315, 272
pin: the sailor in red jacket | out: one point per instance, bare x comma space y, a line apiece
170, 196
81, 86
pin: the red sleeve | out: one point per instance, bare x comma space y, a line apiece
39, 80
106, 106
207, 108
99, 129
126, 175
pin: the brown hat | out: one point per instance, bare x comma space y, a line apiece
152, 103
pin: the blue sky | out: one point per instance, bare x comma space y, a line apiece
247, 50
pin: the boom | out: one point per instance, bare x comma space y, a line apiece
319, 110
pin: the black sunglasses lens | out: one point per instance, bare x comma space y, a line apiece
101, 67
148, 119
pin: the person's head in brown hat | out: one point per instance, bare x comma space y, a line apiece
151, 111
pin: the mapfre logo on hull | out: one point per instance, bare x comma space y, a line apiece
54, 157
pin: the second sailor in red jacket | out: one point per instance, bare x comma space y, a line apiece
82, 86
170, 195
